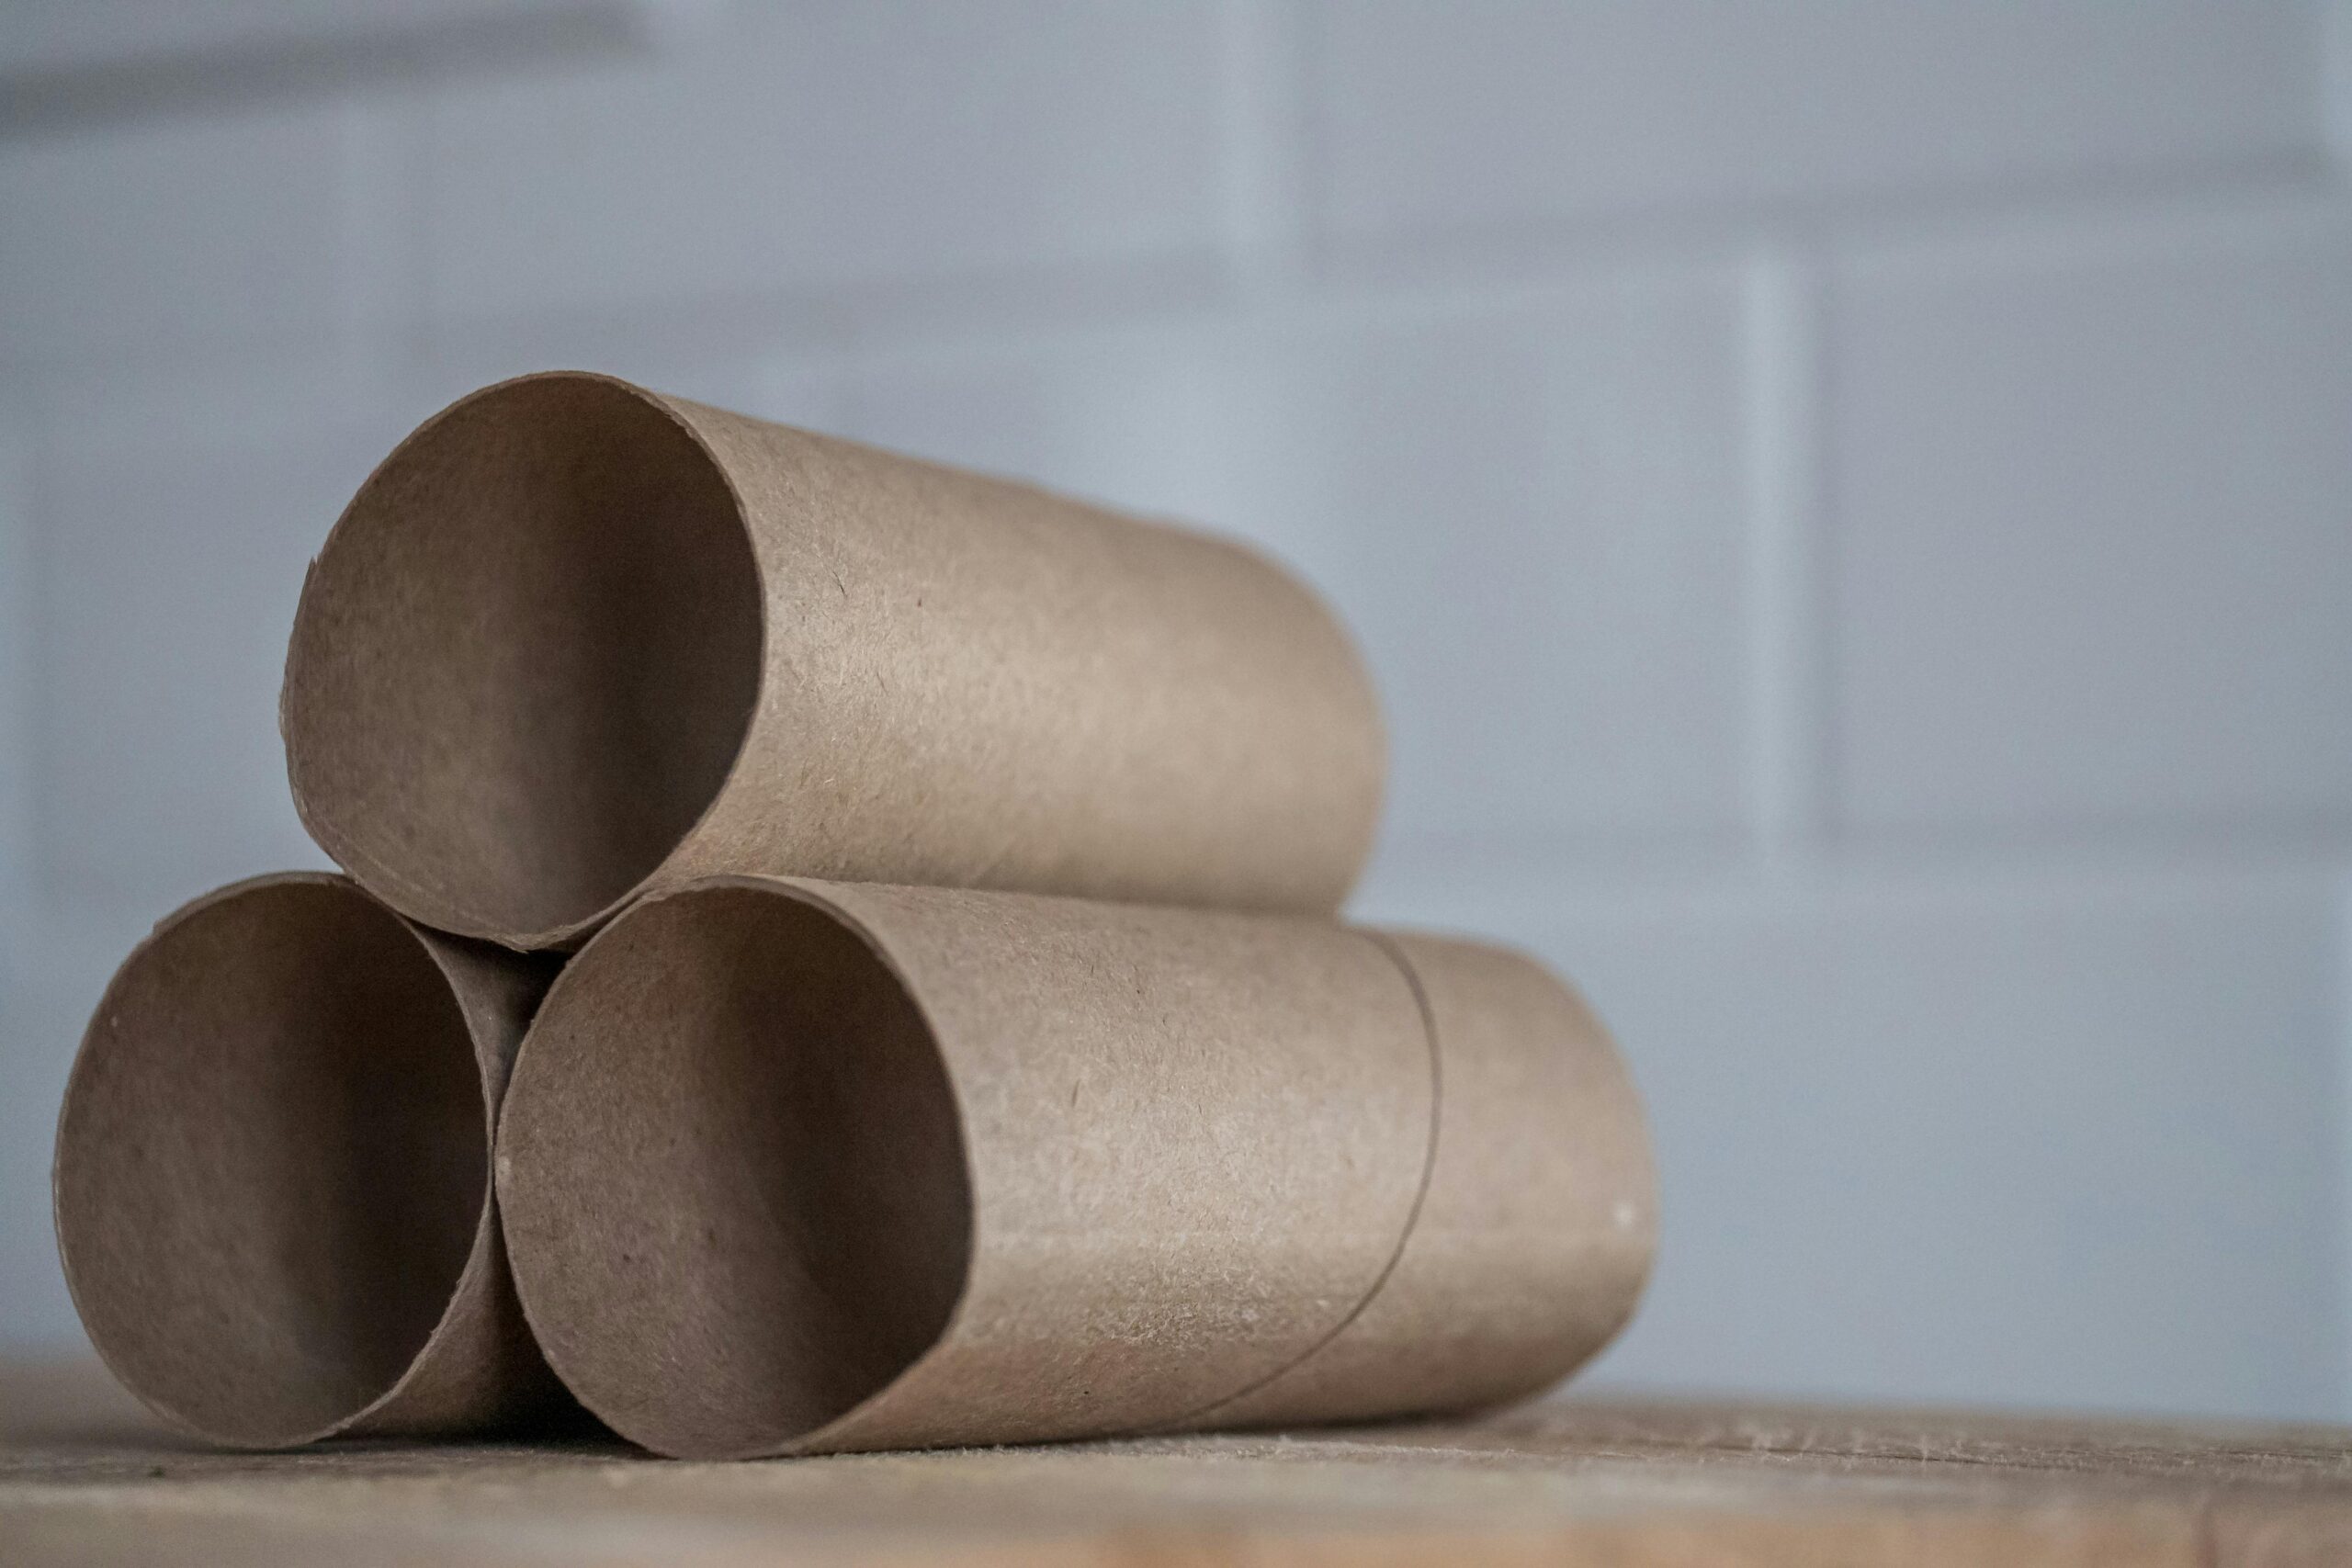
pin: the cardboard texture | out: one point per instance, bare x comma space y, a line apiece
273, 1178
575, 639
791, 1166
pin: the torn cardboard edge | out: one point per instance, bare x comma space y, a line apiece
574, 639
273, 1188
796, 1166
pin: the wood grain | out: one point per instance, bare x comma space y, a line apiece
86, 1478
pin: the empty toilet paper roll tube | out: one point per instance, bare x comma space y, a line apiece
799, 1166
273, 1178
575, 638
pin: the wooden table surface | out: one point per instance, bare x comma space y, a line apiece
86, 1477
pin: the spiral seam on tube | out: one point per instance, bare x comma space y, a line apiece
1412, 1216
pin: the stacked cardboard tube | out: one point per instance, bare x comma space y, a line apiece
837, 953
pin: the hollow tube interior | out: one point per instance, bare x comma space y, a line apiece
526, 660
732, 1174
272, 1162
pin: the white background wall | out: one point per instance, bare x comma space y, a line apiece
1851, 504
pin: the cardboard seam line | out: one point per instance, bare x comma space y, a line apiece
1412, 1216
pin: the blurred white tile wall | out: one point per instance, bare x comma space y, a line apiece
1851, 503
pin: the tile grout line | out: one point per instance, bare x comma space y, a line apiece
2341, 1028
1263, 136
383, 243
19, 883
2335, 80
1783, 457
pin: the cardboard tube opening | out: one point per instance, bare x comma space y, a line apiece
527, 658
272, 1162
732, 1173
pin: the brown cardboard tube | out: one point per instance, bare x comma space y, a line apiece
1533, 1238
273, 1178
796, 1166
574, 639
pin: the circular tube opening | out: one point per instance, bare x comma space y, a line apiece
526, 660
273, 1161
731, 1174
